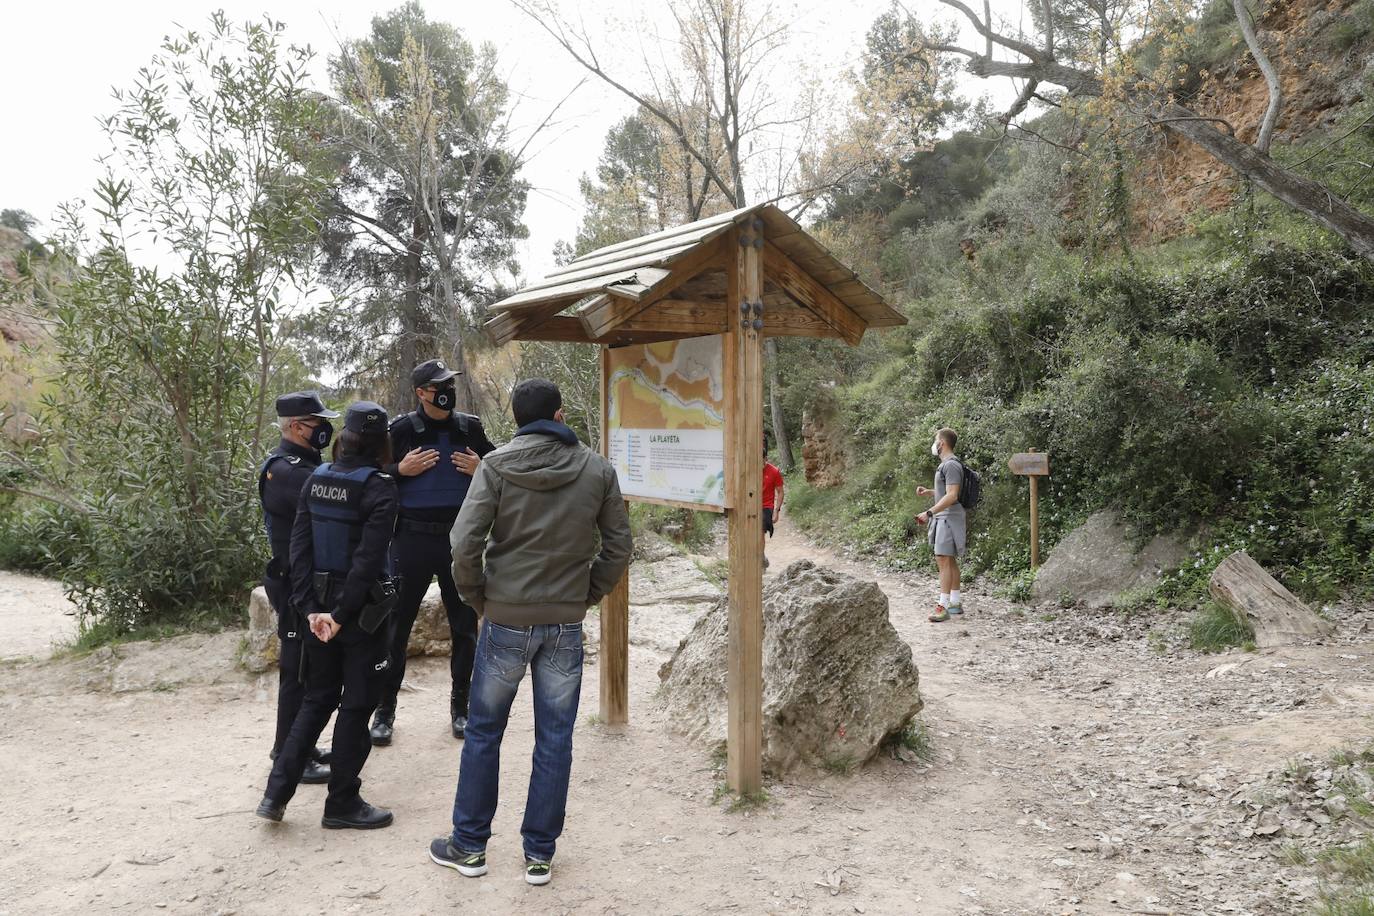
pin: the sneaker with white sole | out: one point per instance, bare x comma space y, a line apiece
467, 864
537, 872
955, 609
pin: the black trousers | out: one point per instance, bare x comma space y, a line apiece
344, 674
417, 558
290, 689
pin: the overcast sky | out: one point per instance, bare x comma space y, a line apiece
59, 60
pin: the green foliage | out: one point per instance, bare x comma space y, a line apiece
1214, 628
576, 370
632, 193
915, 737
145, 452
38, 536
1233, 388
1348, 880
1352, 26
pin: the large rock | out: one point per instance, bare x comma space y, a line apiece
430, 635
1098, 562
837, 679
262, 649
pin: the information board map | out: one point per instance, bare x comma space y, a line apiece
665, 420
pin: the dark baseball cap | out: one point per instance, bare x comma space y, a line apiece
431, 372
303, 404
365, 417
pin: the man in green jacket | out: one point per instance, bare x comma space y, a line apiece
526, 558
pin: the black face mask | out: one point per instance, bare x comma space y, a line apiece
320, 436
445, 397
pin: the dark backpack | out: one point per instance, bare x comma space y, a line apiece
971, 491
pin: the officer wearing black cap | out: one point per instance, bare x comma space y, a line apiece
305, 430
341, 582
438, 449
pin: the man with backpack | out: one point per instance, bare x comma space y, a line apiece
955, 491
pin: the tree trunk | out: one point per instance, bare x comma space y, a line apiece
1271, 75
410, 321
770, 353
1254, 596
1302, 194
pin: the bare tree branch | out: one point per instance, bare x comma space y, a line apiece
1271, 75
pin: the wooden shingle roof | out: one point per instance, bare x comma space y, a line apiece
670, 283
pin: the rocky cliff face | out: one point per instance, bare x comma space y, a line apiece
823, 451
20, 330
1325, 59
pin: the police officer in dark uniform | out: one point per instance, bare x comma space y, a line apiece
305, 430
437, 450
340, 580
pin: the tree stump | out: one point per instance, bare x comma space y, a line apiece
1276, 615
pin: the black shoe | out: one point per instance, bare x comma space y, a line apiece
315, 774
458, 712
383, 725
320, 755
363, 817
270, 810
468, 864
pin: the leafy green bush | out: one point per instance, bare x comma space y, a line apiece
38, 536
145, 450
1234, 390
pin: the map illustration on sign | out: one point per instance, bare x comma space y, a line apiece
665, 420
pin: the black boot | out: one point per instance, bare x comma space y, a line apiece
315, 774
270, 810
383, 724
362, 817
458, 712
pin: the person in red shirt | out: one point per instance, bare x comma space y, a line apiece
772, 499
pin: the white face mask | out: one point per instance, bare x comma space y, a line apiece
935, 448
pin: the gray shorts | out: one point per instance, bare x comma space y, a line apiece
948, 535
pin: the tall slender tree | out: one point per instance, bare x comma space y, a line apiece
429, 204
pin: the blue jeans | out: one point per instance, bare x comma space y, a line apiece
553, 653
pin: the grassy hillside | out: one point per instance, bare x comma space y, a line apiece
1219, 382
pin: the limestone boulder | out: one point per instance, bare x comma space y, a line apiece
1098, 562
837, 679
430, 635
261, 648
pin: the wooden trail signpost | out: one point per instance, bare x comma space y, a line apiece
1034, 465
680, 316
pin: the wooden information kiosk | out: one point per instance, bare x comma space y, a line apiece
744, 275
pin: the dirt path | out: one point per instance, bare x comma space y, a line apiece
1079, 769
34, 616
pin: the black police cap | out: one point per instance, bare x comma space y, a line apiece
365, 417
303, 404
430, 372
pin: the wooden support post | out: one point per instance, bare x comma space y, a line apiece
1034, 465
615, 612
615, 654
744, 473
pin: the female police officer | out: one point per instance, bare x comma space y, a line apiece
340, 581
